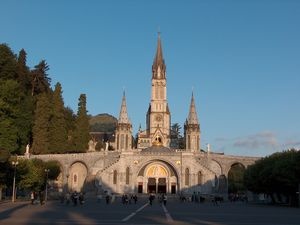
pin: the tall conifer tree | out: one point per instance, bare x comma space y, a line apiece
40, 80
7, 63
58, 127
81, 134
9, 111
40, 131
23, 72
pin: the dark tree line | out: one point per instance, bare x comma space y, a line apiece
31, 112
277, 175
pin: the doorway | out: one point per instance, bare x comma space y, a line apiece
151, 185
162, 185
173, 188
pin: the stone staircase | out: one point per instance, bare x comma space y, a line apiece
204, 162
110, 164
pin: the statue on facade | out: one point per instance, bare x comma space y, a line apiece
27, 149
92, 146
27, 153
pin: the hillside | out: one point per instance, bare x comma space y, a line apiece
103, 123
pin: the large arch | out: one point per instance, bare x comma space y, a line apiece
77, 175
236, 178
157, 176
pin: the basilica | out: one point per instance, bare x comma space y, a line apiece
153, 165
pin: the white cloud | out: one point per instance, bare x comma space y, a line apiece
259, 144
265, 139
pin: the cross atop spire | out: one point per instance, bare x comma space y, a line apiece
123, 117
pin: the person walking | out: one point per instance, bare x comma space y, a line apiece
32, 197
135, 199
165, 199
150, 199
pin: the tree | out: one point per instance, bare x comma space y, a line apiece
32, 175
7, 63
41, 125
4, 156
40, 81
277, 174
23, 73
58, 134
9, 111
176, 137
54, 169
81, 135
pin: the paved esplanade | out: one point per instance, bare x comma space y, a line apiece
95, 213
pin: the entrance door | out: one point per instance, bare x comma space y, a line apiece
173, 188
151, 185
140, 187
162, 185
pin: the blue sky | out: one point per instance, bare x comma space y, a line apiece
241, 58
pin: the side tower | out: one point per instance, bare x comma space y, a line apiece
123, 129
192, 129
158, 115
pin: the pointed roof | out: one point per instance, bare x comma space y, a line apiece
192, 118
123, 117
159, 59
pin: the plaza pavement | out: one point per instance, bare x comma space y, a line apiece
175, 212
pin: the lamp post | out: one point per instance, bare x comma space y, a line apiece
14, 163
46, 194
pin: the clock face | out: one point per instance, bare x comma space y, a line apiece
158, 118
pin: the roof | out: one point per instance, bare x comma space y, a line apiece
157, 149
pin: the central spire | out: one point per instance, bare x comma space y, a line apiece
159, 67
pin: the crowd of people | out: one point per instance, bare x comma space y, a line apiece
76, 198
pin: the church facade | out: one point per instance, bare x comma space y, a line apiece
154, 165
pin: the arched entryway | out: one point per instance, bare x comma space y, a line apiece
77, 176
236, 178
157, 177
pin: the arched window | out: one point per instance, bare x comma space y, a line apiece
200, 178
187, 177
75, 178
115, 177
127, 175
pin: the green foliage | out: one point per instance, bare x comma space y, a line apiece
54, 169
32, 175
7, 63
23, 73
40, 81
278, 173
177, 140
81, 134
4, 156
58, 134
10, 111
16, 106
41, 125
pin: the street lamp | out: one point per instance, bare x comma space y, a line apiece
46, 195
14, 163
